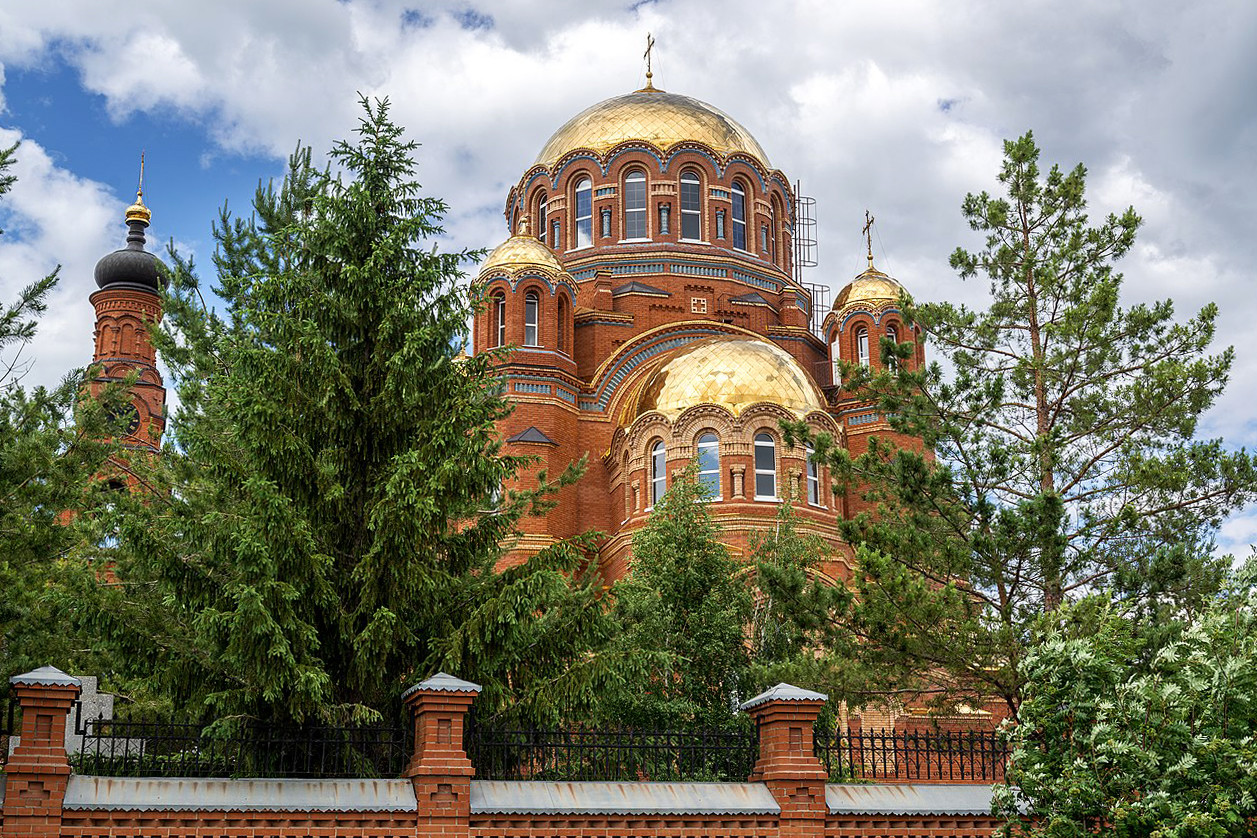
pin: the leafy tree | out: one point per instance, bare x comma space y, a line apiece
330, 533
47, 463
686, 602
1122, 733
1064, 428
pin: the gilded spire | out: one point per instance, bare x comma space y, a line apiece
137, 211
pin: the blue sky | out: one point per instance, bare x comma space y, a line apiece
898, 107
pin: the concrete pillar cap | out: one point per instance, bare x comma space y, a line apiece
45, 676
783, 692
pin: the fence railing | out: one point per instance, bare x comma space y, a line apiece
149, 748
937, 756
611, 755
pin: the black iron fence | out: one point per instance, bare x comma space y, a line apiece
611, 755
927, 756
151, 748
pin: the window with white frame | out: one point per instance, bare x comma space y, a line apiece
739, 215
540, 226
499, 319
892, 334
709, 464
584, 213
813, 478
658, 472
691, 206
531, 305
765, 467
635, 205
862, 346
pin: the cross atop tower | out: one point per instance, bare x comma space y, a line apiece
868, 234
650, 45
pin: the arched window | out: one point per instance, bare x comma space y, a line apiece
540, 226
892, 334
635, 205
658, 472
498, 334
765, 467
739, 215
709, 464
691, 206
562, 324
584, 213
862, 346
531, 306
813, 478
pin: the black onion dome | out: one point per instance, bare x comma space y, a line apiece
133, 266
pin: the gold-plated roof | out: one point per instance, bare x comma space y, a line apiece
663, 119
519, 250
734, 373
869, 287
137, 211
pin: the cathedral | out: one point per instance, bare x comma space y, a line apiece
651, 312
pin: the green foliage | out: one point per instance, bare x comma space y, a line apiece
685, 602
1126, 733
328, 534
1064, 431
48, 458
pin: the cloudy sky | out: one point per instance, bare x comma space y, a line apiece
898, 107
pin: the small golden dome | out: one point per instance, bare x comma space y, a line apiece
663, 119
137, 211
734, 373
519, 250
872, 286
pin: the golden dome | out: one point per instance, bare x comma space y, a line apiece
520, 250
137, 211
663, 119
872, 286
734, 373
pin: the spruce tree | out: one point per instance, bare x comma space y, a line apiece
1062, 438
51, 451
330, 533
686, 604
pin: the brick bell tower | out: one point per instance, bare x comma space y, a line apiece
126, 303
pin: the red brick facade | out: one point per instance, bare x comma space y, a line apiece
651, 223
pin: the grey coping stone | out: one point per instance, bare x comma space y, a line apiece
751, 299
446, 683
783, 692
636, 287
46, 676
909, 799
531, 434
509, 797
140, 794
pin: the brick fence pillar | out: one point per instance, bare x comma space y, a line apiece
787, 764
37, 772
439, 769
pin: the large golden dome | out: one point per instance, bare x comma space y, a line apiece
872, 286
522, 249
663, 119
732, 372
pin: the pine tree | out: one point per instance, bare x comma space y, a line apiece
1063, 436
330, 531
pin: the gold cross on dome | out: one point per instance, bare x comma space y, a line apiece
868, 234
650, 44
